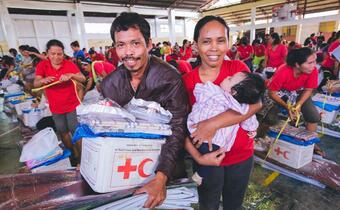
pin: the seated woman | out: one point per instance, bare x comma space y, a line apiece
292, 86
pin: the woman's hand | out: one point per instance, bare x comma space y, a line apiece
47, 80
65, 77
212, 159
205, 131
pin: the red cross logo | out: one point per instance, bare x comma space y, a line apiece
278, 152
127, 168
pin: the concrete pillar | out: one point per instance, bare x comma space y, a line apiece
155, 26
252, 30
7, 26
298, 31
78, 24
171, 23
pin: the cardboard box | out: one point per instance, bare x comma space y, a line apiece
292, 155
110, 164
328, 105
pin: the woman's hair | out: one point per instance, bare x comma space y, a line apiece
276, 38
127, 20
260, 67
244, 40
13, 51
184, 42
250, 90
201, 23
54, 42
23, 47
298, 56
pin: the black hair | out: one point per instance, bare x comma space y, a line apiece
298, 56
35, 59
75, 44
337, 35
128, 20
54, 42
244, 40
206, 20
23, 47
13, 51
319, 57
173, 63
250, 90
7, 60
291, 44
276, 38
184, 42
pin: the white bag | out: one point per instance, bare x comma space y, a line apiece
40, 145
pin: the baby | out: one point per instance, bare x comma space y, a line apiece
236, 93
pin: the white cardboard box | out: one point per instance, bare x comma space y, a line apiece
110, 164
328, 116
292, 155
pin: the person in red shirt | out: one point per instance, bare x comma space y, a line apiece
185, 50
62, 97
330, 66
232, 176
231, 53
245, 52
259, 52
276, 52
95, 56
97, 70
292, 86
113, 57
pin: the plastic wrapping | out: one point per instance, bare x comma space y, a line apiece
105, 109
297, 133
92, 97
99, 125
149, 111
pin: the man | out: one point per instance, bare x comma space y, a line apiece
77, 53
149, 78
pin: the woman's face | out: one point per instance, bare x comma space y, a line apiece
212, 44
56, 55
309, 65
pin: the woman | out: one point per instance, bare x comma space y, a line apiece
231, 175
276, 52
245, 52
62, 97
185, 51
292, 86
17, 58
259, 52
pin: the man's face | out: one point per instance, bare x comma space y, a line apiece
55, 54
132, 49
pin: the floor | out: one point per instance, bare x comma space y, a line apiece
283, 193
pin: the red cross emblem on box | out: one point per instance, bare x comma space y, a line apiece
128, 168
279, 152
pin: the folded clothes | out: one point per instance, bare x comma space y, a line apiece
298, 133
177, 198
54, 153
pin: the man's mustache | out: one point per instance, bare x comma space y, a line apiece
130, 57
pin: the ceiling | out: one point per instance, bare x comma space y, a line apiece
194, 5
265, 12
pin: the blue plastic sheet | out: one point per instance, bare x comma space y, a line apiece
293, 140
84, 130
328, 107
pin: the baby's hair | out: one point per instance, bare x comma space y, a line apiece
250, 90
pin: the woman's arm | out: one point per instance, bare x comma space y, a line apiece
304, 96
89, 84
206, 129
273, 95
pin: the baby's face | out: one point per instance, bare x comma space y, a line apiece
229, 82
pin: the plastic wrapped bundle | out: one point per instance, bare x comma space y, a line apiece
149, 111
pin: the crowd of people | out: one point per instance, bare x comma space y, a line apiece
169, 75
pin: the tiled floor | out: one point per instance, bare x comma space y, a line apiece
284, 193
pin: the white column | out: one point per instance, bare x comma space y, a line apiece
298, 31
171, 23
7, 26
155, 26
267, 28
79, 25
253, 18
185, 29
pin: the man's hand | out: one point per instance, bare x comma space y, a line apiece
65, 77
156, 190
213, 158
205, 131
47, 80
